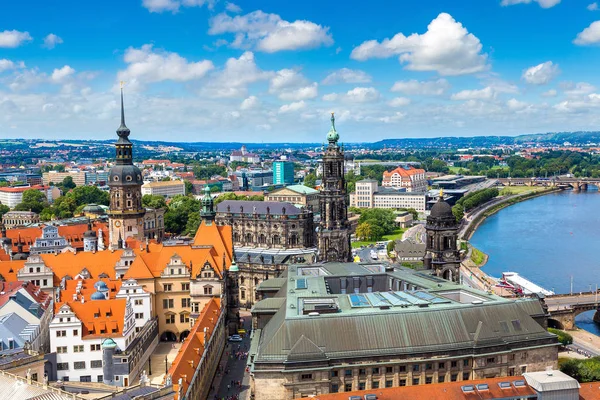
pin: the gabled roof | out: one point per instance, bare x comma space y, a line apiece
87, 288
220, 237
99, 318
29, 293
190, 353
404, 171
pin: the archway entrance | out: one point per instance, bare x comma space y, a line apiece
447, 275
168, 336
183, 335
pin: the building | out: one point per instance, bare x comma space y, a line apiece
126, 214
333, 236
13, 219
535, 386
404, 219
406, 177
283, 172
164, 188
368, 194
17, 387
442, 255
99, 177
25, 312
193, 369
154, 224
54, 177
267, 224
103, 331
296, 194
341, 327
11, 196
254, 179
50, 242
243, 155
409, 251
23, 362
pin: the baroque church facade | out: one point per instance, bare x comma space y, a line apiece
333, 236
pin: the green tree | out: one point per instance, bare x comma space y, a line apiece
59, 168
310, 180
68, 183
33, 200
364, 231
179, 211
189, 187
383, 220
3, 210
459, 212
215, 189
153, 201
83, 195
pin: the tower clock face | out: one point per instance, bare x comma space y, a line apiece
117, 224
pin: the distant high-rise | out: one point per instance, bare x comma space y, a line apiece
334, 229
126, 214
283, 173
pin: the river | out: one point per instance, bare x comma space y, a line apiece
548, 240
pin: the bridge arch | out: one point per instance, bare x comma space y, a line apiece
556, 324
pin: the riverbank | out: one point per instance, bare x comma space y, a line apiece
476, 217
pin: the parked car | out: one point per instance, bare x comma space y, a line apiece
235, 338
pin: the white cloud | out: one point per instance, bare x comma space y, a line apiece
356, 95
270, 33
6, 65
477, 94
14, 38
234, 78
330, 97
302, 93
60, 75
286, 78
52, 40
542, 3
514, 104
146, 65
388, 119
399, 102
346, 75
250, 103
173, 6
422, 88
234, 8
593, 6
296, 106
447, 47
577, 89
541, 74
550, 93
590, 35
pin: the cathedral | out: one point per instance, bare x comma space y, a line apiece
333, 236
126, 213
441, 251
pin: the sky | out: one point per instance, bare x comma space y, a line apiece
273, 71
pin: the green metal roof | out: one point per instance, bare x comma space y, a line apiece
301, 189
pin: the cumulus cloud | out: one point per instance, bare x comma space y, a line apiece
542, 3
7, 65
250, 103
234, 8
346, 75
447, 47
477, 94
593, 6
147, 65
550, 93
356, 95
578, 89
399, 102
291, 85
51, 40
234, 78
540, 74
269, 33
302, 93
590, 35
59, 75
292, 107
173, 6
422, 88
14, 38
516, 105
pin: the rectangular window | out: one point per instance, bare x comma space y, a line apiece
428, 380
61, 349
348, 372
167, 303
402, 368
441, 365
78, 349
167, 287
138, 302
402, 382
389, 370
466, 376
415, 368
96, 363
62, 366
375, 385
94, 347
85, 378
491, 360
306, 377
453, 364
362, 371
184, 318
79, 365
61, 333
375, 371
75, 332
170, 319
334, 374
428, 366
139, 315
453, 377
465, 363
335, 388
415, 381
208, 290
185, 302
348, 387
441, 378
362, 385
185, 287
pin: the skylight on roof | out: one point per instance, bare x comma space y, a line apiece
468, 388
301, 284
519, 383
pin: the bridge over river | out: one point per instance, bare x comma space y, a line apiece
563, 308
576, 184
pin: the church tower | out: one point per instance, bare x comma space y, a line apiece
126, 214
334, 230
441, 251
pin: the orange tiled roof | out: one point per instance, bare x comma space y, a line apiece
589, 391
218, 236
440, 391
404, 172
87, 288
191, 351
99, 318
21, 189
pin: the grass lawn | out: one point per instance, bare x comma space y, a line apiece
477, 256
522, 189
454, 170
397, 234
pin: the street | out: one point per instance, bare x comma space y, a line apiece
232, 381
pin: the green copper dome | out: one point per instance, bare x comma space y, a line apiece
233, 267
332, 135
109, 343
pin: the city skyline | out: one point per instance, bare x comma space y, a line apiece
200, 70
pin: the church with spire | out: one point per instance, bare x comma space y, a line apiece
333, 235
126, 213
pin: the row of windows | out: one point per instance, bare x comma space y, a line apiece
335, 388
183, 318
168, 287
77, 365
186, 301
403, 368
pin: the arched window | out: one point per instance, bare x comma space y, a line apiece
262, 239
276, 239
293, 239
256, 281
248, 237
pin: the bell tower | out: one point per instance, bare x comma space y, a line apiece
334, 230
126, 214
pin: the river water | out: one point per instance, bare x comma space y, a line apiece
548, 240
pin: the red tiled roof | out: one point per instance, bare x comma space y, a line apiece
404, 172
8, 289
22, 189
191, 351
99, 318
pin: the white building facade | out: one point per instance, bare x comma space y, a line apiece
368, 194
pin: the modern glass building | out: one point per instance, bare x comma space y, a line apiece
283, 173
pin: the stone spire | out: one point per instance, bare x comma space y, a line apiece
123, 130
208, 212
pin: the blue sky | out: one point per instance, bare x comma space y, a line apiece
252, 71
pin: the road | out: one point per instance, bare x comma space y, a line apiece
235, 368
555, 303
